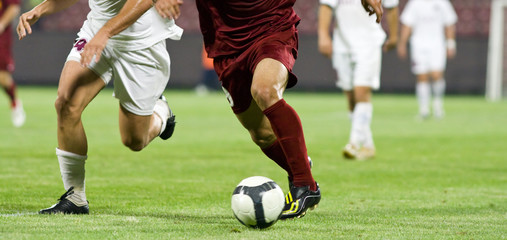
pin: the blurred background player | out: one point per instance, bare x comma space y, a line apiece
430, 24
9, 9
355, 49
116, 42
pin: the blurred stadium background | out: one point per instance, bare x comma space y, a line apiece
40, 57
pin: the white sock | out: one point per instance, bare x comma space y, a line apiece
161, 110
367, 109
72, 168
423, 92
360, 132
438, 99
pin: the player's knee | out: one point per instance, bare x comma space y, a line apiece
65, 110
264, 96
134, 144
263, 139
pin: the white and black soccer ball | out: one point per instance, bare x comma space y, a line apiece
257, 202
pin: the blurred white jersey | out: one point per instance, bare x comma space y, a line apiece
428, 19
148, 30
354, 28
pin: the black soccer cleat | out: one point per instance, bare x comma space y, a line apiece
65, 206
170, 124
299, 200
169, 127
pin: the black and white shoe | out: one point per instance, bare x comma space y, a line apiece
299, 200
168, 118
65, 206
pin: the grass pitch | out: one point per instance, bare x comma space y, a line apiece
442, 179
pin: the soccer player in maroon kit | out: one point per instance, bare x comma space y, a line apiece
254, 46
9, 9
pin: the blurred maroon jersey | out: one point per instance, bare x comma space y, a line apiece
6, 61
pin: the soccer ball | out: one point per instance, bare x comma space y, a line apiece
257, 202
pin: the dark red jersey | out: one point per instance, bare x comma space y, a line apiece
6, 61
229, 27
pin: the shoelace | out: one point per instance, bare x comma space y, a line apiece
69, 192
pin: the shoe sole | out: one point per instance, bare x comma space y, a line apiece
169, 129
303, 213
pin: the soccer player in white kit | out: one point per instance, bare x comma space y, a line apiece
123, 41
430, 24
355, 49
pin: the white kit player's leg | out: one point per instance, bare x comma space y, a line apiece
423, 92
366, 78
165, 114
438, 98
365, 109
361, 129
356, 130
72, 168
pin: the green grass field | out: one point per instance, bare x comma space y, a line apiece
442, 179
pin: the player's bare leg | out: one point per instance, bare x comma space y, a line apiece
351, 102
138, 131
262, 134
423, 93
18, 115
268, 85
76, 89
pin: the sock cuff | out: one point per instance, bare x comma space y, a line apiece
273, 145
439, 82
62, 153
274, 107
364, 106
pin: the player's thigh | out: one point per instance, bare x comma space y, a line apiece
133, 126
436, 75
422, 77
342, 63
257, 124
5, 78
78, 85
269, 81
6, 55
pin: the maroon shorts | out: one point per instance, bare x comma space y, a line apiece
236, 72
6, 60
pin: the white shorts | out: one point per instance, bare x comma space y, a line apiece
360, 68
139, 77
428, 59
